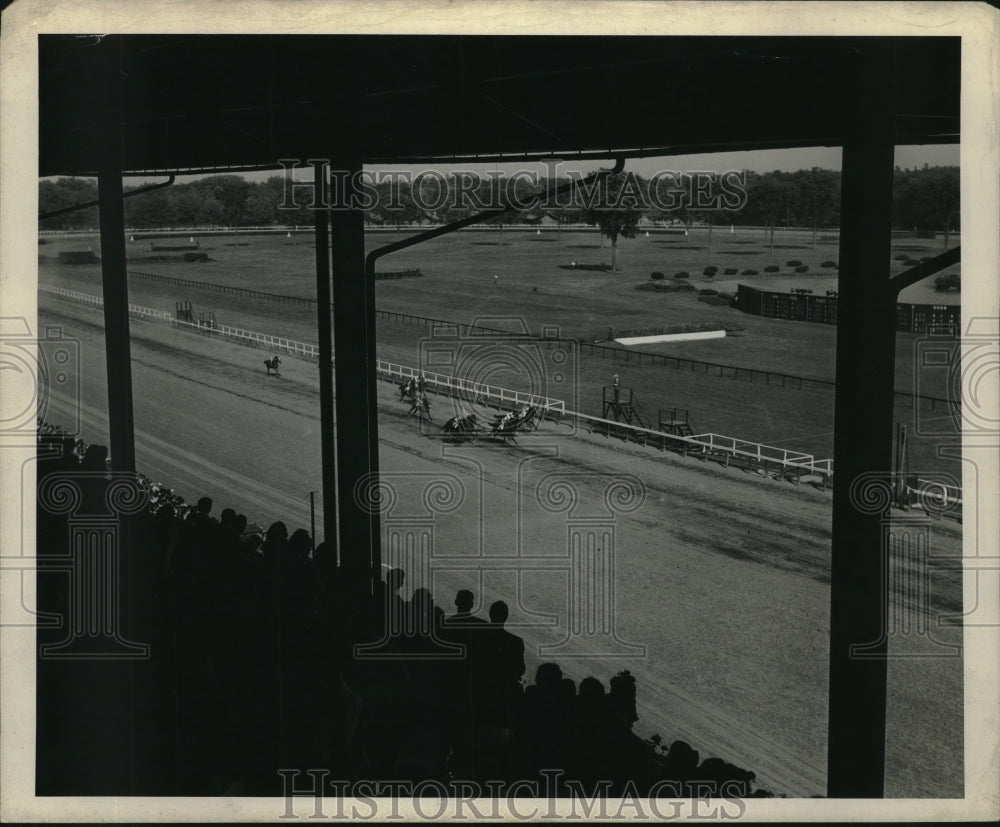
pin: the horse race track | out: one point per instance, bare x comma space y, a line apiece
720, 575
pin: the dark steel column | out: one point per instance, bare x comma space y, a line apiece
863, 436
116, 322
356, 379
326, 411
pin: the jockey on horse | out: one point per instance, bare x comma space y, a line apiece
420, 407
462, 426
408, 388
272, 364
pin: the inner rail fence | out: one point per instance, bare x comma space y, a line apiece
794, 466
628, 355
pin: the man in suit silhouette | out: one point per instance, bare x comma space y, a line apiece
499, 678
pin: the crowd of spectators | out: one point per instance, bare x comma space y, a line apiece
253, 638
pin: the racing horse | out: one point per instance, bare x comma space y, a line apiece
461, 427
420, 407
528, 418
408, 389
505, 426
273, 364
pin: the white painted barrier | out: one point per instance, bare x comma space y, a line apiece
947, 496
753, 450
672, 337
472, 391
719, 445
261, 339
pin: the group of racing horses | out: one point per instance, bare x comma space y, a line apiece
464, 427
505, 426
461, 427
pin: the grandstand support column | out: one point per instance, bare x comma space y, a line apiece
862, 436
324, 329
356, 379
113, 275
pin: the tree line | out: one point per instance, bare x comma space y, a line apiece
925, 199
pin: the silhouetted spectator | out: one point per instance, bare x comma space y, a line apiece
725, 778
202, 517
302, 592
94, 462
391, 608
325, 567
497, 680
466, 630
681, 762
622, 698
461, 626
275, 543
226, 518
253, 543
546, 720
589, 759
548, 676
424, 621
299, 545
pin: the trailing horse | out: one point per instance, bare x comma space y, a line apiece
505, 426
528, 418
272, 364
462, 427
408, 389
420, 407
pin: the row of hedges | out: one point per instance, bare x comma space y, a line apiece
798, 266
910, 261
667, 287
720, 298
731, 271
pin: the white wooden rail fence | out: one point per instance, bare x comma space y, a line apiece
471, 391
712, 445
238, 333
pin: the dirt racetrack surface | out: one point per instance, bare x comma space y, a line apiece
720, 599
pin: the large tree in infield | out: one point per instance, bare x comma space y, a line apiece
619, 204
615, 224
